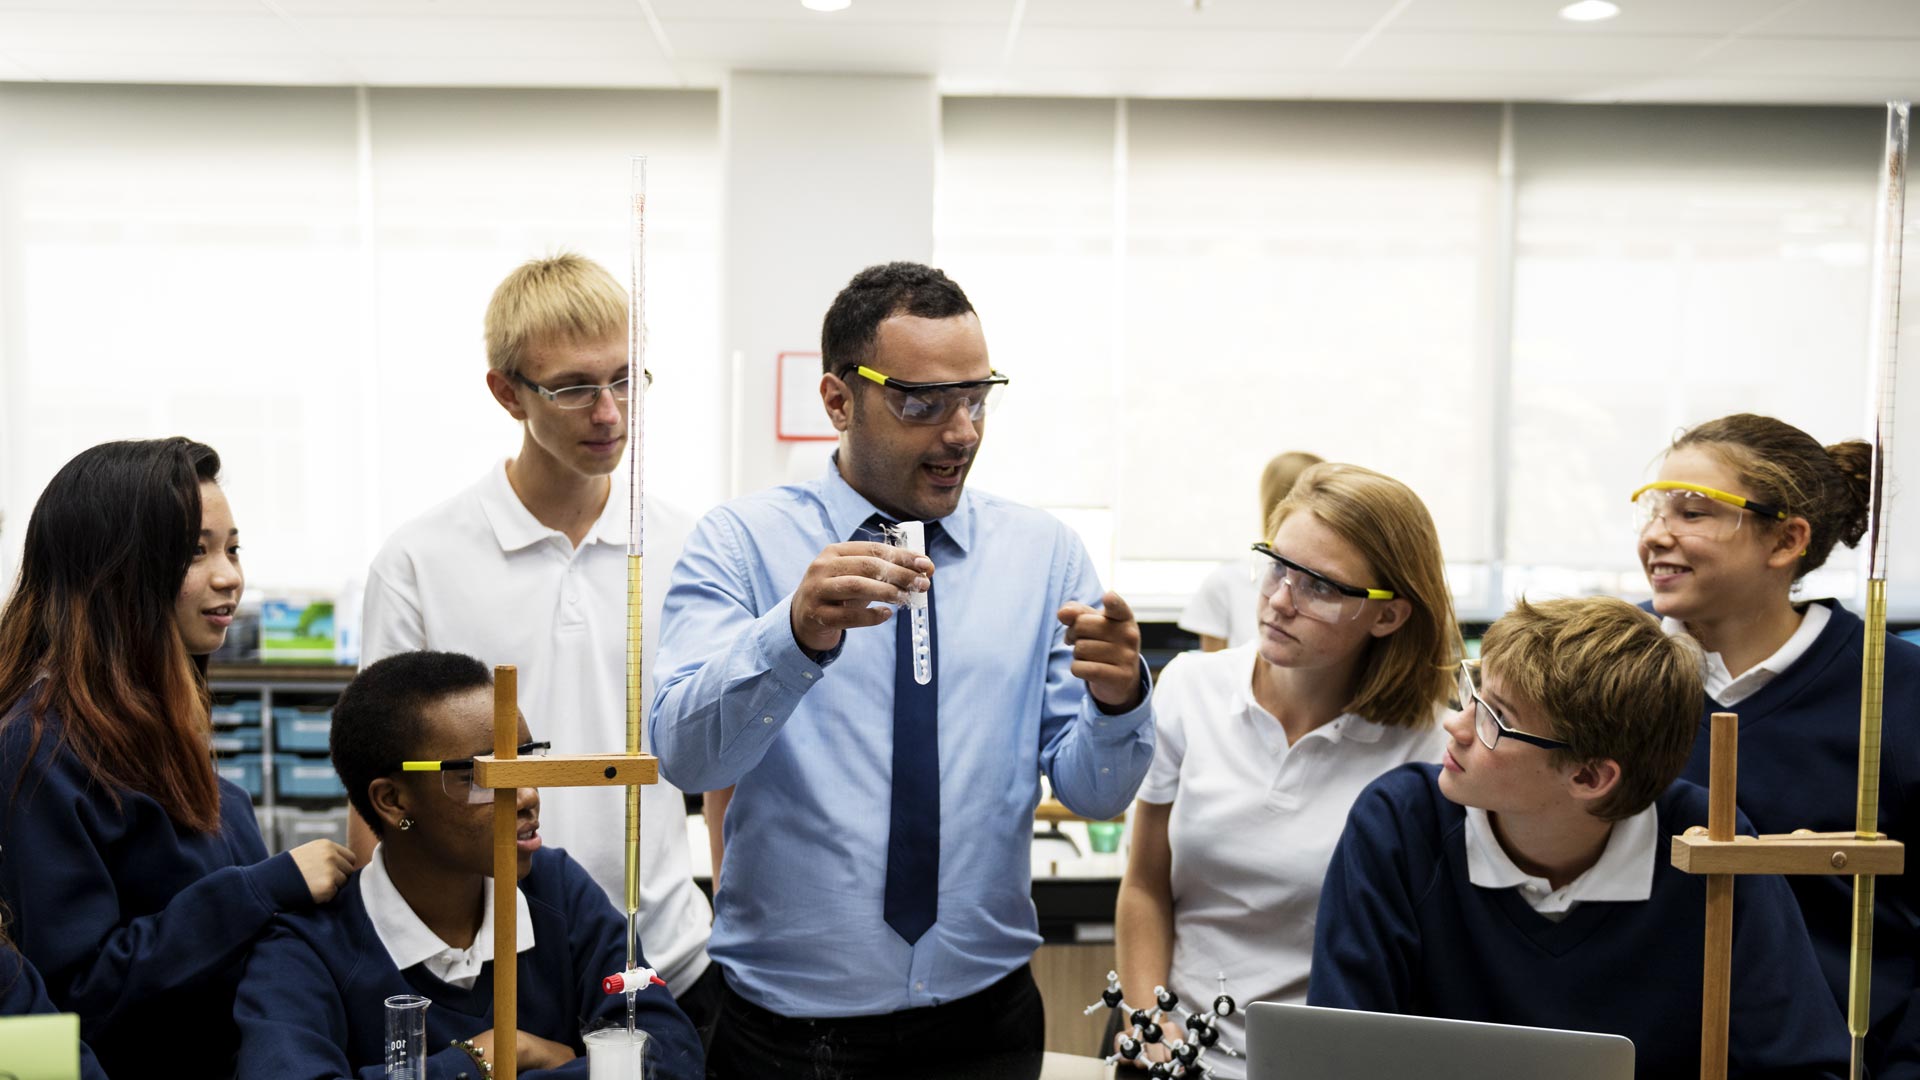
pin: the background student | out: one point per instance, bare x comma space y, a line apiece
1223, 611
136, 877
1744, 507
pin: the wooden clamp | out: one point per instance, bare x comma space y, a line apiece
566, 770
1717, 853
504, 771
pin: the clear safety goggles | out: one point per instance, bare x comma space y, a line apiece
1314, 594
934, 403
1693, 510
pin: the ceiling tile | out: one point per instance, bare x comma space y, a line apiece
1851, 58
840, 46
144, 32
260, 69
517, 71
372, 37
893, 12
1846, 18
1124, 51
1710, 18
1214, 15
1492, 54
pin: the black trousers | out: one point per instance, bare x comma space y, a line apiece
701, 1003
998, 1033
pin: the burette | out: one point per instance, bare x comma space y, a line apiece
1884, 340
636, 539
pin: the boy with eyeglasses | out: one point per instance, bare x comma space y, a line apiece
1525, 879
529, 567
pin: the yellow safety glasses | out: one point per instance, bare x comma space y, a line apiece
456, 774
1695, 510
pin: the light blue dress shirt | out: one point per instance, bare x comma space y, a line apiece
798, 924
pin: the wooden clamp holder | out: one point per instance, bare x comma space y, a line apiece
1719, 854
506, 771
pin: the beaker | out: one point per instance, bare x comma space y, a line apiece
407, 1037
614, 1053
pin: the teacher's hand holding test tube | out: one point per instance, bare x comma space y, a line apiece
844, 580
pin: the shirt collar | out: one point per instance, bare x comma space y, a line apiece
1624, 871
848, 510
408, 940
1812, 621
515, 527
1351, 726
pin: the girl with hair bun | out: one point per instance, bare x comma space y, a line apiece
1743, 508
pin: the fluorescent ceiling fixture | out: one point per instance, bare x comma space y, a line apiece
1583, 11
826, 5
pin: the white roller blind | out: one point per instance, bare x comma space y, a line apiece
1303, 277
300, 282
1674, 265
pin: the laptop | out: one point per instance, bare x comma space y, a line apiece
1303, 1042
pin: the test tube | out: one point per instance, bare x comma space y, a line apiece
912, 535
407, 1037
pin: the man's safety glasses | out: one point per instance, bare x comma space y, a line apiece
933, 403
1314, 594
1693, 510
456, 774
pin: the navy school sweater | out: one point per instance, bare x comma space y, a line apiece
1402, 930
1799, 769
23, 994
136, 923
312, 1005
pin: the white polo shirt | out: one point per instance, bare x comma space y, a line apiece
1253, 827
409, 941
479, 574
1721, 684
1624, 872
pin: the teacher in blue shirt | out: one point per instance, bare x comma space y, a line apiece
873, 915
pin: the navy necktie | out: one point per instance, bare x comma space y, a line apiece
913, 833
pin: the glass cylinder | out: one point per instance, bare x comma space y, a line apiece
615, 1053
407, 1037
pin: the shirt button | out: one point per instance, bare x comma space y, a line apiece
1104, 770
766, 719
919, 986
806, 675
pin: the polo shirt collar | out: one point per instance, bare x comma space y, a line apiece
408, 940
1624, 871
1349, 726
848, 510
515, 527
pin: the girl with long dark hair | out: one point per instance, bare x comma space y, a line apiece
136, 877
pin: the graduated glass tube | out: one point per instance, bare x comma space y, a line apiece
912, 535
407, 1037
